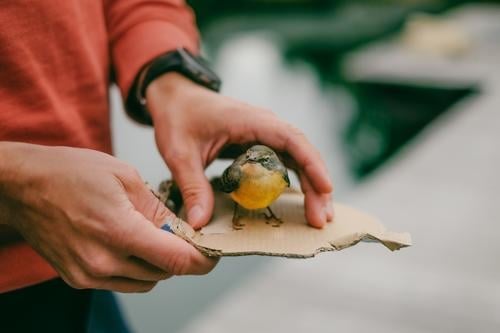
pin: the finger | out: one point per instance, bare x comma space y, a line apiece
330, 215
105, 264
312, 196
188, 172
151, 207
286, 138
137, 269
318, 208
124, 285
145, 202
166, 251
77, 278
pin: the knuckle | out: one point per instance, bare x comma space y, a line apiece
179, 263
80, 281
160, 211
191, 190
99, 265
239, 133
130, 173
177, 155
267, 117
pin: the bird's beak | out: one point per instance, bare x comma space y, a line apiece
251, 158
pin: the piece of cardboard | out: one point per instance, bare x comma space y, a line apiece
293, 238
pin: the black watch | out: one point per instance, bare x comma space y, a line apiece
180, 61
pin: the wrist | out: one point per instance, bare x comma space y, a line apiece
167, 89
8, 165
13, 178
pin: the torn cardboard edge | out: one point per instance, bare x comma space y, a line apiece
294, 238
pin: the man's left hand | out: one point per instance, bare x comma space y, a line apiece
193, 124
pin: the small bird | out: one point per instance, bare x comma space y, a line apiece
254, 181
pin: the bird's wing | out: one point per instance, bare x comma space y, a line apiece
284, 172
229, 181
285, 177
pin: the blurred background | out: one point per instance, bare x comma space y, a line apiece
403, 100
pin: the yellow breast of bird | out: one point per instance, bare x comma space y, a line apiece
258, 187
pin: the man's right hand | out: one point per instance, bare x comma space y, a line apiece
92, 218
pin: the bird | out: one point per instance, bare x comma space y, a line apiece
254, 181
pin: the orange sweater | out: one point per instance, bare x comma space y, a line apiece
56, 57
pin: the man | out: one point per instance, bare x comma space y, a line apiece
70, 209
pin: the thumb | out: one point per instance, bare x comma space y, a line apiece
188, 172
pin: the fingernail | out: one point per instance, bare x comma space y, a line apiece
330, 212
324, 216
195, 214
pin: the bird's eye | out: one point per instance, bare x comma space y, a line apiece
265, 159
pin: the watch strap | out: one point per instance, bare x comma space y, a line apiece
180, 61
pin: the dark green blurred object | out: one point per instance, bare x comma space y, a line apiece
389, 115
322, 33
317, 31
210, 11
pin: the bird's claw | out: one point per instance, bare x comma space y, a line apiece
237, 225
272, 219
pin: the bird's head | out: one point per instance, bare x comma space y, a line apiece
262, 155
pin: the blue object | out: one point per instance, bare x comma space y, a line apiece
105, 314
166, 227
55, 307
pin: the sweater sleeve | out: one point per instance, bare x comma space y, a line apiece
141, 30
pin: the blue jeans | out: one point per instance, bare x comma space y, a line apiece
55, 307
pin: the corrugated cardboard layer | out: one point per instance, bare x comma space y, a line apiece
293, 238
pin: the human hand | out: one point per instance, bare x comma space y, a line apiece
193, 125
92, 218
